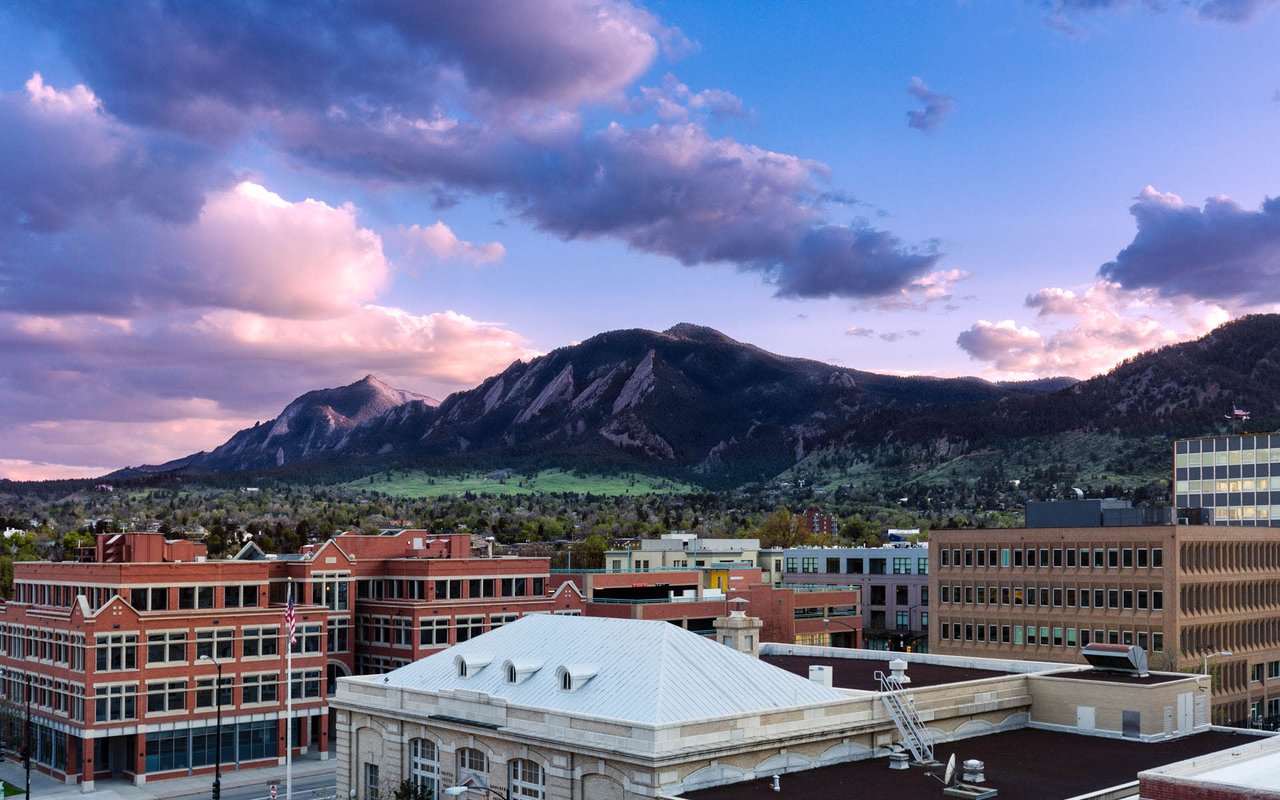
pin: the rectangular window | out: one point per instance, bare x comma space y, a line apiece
1084, 557
204, 692
902, 566
1127, 599
1004, 556
1157, 557
339, 638
1099, 598
305, 684
218, 644
308, 640
1057, 557
1017, 558
166, 696
1017, 634
1057, 637
1113, 598
115, 703
1157, 600
1113, 557
790, 566
809, 564
946, 594
1044, 556
116, 652
1126, 560
1031, 634
261, 642
469, 628
1143, 557
982, 558
167, 648
261, 688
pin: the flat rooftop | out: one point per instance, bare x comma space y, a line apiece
1024, 764
857, 673
1150, 679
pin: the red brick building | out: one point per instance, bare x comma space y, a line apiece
117, 655
819, 521
818, 615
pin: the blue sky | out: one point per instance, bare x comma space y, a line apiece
212, 209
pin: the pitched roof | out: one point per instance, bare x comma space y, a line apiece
646, 672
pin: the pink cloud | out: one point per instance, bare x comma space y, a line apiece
1085, 334
92, 390
440, 243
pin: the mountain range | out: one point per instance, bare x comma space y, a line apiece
692, 400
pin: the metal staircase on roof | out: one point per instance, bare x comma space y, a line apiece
903, 711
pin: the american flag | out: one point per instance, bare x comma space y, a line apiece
291, 619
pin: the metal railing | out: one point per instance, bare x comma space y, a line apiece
903, 711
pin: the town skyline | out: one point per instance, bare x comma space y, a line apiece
213, 209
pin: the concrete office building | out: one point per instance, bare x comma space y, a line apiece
894, 582
1228, 480
1183, 593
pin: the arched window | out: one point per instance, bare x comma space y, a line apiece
424, 765
511, 672
566, 681
528, 781
474, 765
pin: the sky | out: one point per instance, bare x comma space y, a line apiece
208, 209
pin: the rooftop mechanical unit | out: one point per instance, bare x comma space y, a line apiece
1126, 659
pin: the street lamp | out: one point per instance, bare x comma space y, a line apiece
826, 622
217, 753
459, 791
1208, 656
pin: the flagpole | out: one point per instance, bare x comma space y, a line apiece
288, 697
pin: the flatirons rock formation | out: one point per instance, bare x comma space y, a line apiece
694, 399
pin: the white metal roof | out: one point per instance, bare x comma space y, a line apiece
647, 672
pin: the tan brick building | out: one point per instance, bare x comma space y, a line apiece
1181, 592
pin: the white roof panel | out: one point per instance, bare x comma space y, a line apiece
647, 672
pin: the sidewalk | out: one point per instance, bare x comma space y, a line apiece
44, 787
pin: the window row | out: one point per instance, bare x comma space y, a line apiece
1054, 557
449, 589
526, 779
1054, 597
42, 644
1047, 635
896, 565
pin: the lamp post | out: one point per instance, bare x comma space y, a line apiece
26, 735
217, 753
826, 622
459, 791
1208, 656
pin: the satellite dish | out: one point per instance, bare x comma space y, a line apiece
951, 770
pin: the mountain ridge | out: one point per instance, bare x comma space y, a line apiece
692, 399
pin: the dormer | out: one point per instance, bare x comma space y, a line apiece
517, 670
468, 664
571, 677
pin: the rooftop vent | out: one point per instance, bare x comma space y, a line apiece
1126, 659
468, 664
519, 669
571, 677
